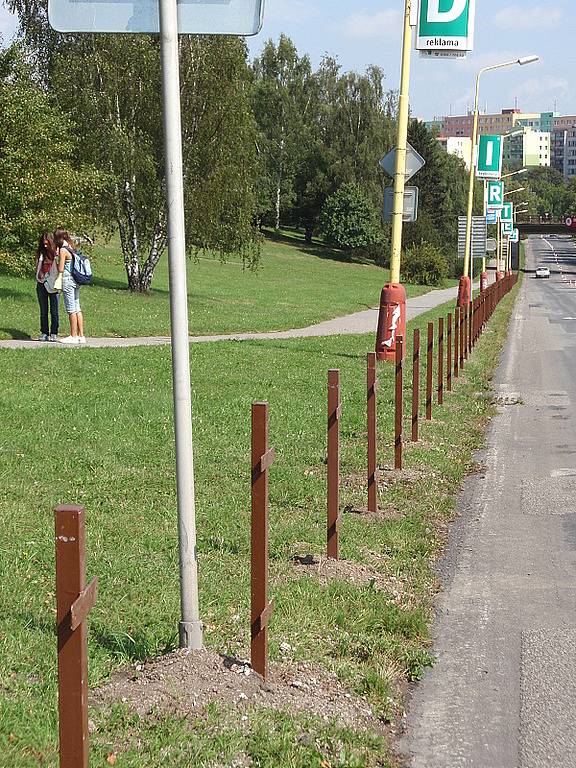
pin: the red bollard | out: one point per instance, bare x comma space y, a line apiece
483, 282
371, 386
391, 320
398, 403
463, 292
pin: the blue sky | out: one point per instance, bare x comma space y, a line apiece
368, 32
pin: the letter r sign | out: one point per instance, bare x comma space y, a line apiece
495, 194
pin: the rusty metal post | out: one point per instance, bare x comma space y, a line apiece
398, 403
260, 607
73, 602
371, 386
470, 327
440, 360
449, 354
429, 371
333, 495
456, 342
415, 384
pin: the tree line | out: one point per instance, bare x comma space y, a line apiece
268, 143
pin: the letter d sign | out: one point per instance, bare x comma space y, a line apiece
445, 25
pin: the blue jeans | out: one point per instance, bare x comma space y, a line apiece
45, 299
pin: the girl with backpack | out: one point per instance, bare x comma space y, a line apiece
70, 289
45, 255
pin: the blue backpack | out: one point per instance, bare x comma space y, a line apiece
80, 268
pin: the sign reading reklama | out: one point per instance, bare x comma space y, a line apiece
445, 25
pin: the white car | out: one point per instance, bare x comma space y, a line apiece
542, 271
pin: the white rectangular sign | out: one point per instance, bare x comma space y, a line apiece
195, 17
445, 25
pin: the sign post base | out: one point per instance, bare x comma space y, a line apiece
391, 321
463, 292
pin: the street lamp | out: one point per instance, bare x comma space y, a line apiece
464, 292
514, 173
513, 191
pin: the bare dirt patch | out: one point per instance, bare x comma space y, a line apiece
327, 569
183, 683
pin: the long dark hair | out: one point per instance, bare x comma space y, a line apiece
46, 251
61, 235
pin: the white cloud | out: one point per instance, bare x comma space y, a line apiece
536, 17
538, 89
384, 25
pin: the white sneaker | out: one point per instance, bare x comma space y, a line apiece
53, 337
81, 339
42, 337
69, 340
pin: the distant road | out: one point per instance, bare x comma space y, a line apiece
503, 690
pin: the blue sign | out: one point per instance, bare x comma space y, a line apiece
195, 17
492, 217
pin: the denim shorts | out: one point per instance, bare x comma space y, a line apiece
71, 293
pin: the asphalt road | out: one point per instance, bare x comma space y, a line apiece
502, 693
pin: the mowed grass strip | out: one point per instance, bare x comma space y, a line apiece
94, 426
295, 285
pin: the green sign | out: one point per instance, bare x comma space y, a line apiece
445, 25
489, 157
494, 195
507, 227
515, 236
507, 213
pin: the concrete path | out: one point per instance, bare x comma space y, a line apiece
359, 322
501, 694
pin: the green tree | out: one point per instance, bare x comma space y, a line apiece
40, 188
282, 100
350, 221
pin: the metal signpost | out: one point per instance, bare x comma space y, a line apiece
410, 212
489, 160
234, 17
445, 26
479, 238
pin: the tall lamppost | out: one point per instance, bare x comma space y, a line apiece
464, 289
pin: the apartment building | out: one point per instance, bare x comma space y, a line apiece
504, 122
570, 153
527, 147
461, 146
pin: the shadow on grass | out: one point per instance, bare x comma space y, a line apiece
295, 349
319, 250
15, 333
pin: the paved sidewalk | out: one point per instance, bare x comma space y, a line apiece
357, 323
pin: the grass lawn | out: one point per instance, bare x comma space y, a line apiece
296, 285
94, 426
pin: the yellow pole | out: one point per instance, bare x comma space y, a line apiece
400, 169
468, 246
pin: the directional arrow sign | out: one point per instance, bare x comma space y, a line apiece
446, 25
489, 158
414, 162
494, 195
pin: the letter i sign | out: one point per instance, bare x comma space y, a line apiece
489, 158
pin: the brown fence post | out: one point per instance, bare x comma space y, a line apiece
333, 495
456, 341
462, 323
470, 327
371, 386
415, 384
440, 360
449, 354
429, 372
73, 603
398, 403
260, 608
